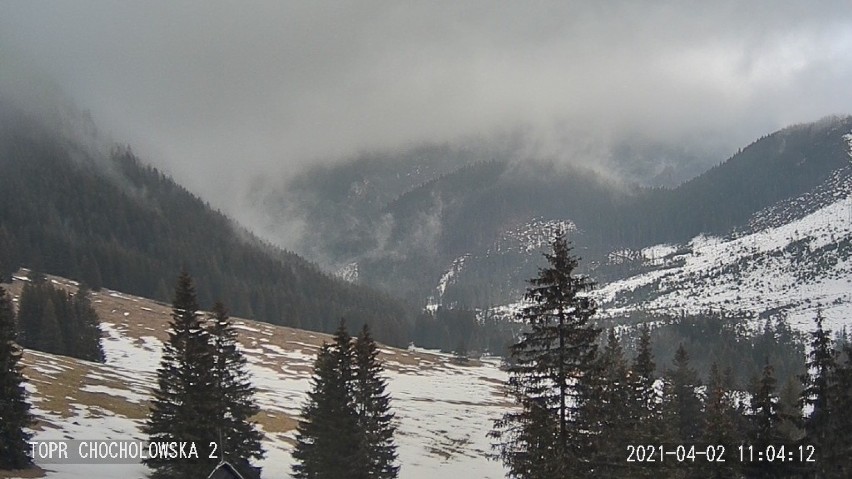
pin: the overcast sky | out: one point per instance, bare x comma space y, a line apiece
217, 92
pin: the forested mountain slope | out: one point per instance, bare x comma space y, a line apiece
470, 237
110, 220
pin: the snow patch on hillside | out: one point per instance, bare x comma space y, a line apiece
795, 268
447, 279
348, 272
531, 236
443, 411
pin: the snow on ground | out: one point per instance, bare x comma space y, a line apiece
82, 425
348, 272
448, 278
531, 236
444, 411
798, 267
444, 416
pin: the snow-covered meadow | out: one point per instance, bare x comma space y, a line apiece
444, 410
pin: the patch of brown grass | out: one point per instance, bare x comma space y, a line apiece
136, 317
32, 472
54, 387
274, 422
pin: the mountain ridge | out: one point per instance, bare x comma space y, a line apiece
444, 219
115, 221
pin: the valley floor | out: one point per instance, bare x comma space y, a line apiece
444, 410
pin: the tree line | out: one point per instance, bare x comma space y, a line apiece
722, 338
15, 413
116, 222
581, 403
55, 321
50, 320
204, 394
582, 406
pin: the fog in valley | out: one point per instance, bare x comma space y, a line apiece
234, 99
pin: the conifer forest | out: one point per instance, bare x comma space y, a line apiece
425, 240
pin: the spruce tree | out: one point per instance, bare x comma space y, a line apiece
14, 409
818, 382
30, 311
644, 422
233, 393
552, 374
644, 400
86, 335
50, 338
720, 411
720, 422
377, 454
53, 321
182, 409
528, 440
765, 425
790, 411
682, 403
836, 460
609, 414
681, 406
327, 436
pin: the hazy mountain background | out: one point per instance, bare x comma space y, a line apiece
430, 251
229, 100
403, 222
406, 165
108, 219
424, 155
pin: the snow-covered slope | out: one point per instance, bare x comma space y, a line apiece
517, 246
444, 410
795, 258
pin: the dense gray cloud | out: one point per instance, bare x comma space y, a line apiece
218, 92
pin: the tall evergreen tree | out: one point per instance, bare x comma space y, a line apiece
644, 401
86, 336
528, 438
681, 410
720, 422
377, 454
233, 393
644, 416
182, 409
609, 414
765, 427
682, 402
327, 437
790, 410
836, 459
720, 412
816, 394
50, 340
14, 409
553, 362
30, 311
